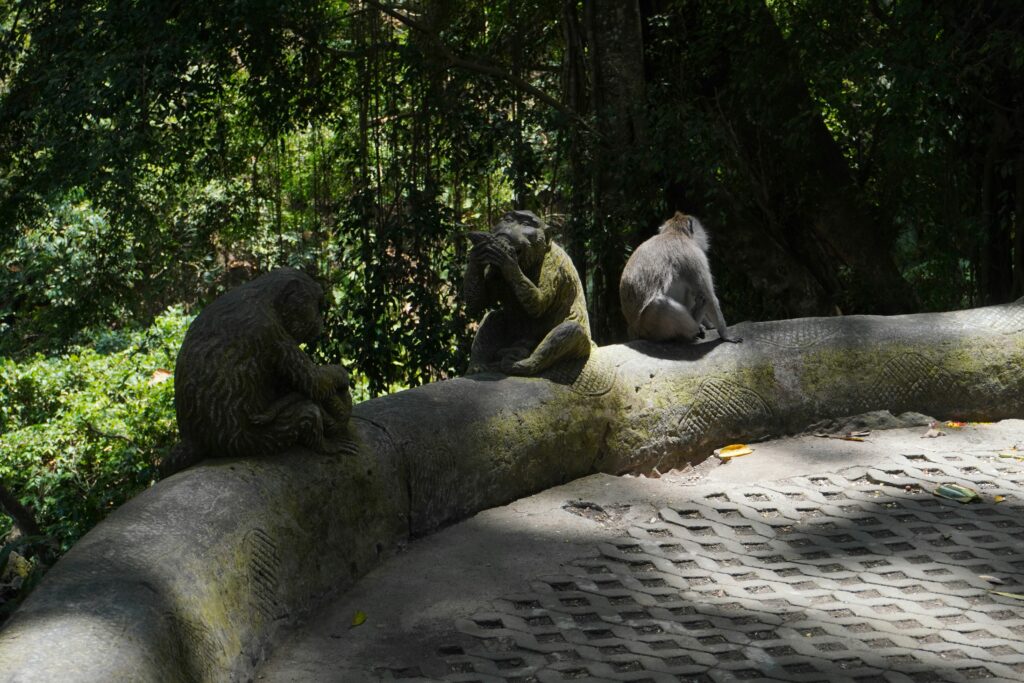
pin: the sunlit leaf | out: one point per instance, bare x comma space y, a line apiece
961, 494
733, 451
160, 376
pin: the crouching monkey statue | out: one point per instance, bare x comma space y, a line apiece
242, 384
537, 315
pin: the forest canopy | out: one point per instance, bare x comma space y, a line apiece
856, 157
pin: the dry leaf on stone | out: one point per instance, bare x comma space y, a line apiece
960, 494
1015, 596
999, 499
991, 579
849, 436
1011, 452
955, 424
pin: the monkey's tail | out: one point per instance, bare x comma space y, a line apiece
184, 454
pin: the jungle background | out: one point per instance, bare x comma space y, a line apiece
847, 157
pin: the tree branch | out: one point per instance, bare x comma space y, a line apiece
469, 65
22, 516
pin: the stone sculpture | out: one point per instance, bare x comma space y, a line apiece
538, 315
242, 384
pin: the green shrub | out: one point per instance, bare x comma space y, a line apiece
81, 433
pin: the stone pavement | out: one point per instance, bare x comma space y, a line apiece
809, 560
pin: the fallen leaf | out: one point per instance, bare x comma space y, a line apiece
991, 579
953, 424
733, 451
999, 499
358, 618
960, 494
159, 376
864, 433
1015, 596
1010, 453
851, 436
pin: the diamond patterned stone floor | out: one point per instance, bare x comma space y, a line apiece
859, 576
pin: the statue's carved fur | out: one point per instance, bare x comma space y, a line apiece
538, 314
243, 386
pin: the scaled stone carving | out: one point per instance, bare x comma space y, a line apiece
537, 315
242, 385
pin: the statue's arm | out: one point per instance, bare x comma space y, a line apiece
474, 286
534, 299
303, 375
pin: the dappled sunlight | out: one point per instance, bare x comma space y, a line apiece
850, 576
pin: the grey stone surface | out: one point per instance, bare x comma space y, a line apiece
809, 560
193, 579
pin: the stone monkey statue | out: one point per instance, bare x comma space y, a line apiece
666, 288
538, 315
242, 385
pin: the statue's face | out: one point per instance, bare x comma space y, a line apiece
302, 310
524, 233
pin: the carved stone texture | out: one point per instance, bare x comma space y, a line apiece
537, 312
432, 455
244, 387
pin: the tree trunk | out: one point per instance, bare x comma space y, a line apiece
995, 269
23, 518
819, 212
1018, 227
621, 187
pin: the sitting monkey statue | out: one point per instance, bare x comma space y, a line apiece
242, 385
538, 315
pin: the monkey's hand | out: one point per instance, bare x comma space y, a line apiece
478, 251
502, 259
329, 379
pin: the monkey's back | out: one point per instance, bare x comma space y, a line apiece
653, 269
224, 373
571, 303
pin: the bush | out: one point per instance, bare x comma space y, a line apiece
82, 432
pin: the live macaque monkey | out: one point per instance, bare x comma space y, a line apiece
666, 288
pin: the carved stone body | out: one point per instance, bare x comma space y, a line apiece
243, 386
538, 313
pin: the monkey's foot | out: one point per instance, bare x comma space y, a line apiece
521, 368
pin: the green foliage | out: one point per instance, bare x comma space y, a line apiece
81, 432
62, 275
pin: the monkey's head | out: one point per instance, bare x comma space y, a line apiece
687, 226
524, 233
298, 300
